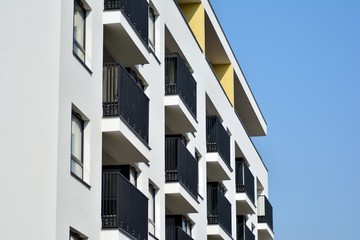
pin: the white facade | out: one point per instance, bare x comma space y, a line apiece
45, 82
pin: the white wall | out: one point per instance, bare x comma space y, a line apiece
78, 206
29, 99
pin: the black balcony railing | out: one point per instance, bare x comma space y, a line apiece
218, 209
180, 165
217, 139
244, 233
176, 233
136, 11
123, 206
123, 97
244, 179
179, 80
265, 211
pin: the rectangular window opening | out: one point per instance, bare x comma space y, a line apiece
77, 145
79, 30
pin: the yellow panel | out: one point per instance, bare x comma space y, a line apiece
225, 74
195, 16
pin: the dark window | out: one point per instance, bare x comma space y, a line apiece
77, 138
75, 235
79, 30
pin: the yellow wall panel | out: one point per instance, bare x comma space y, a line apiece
225, 74
195, 16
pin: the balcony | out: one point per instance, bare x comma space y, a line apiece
181, 176
265, 219
126, 116
126, 30
218, 211
123, 206
180, 99
176, 233
218, 150
245, 188
244, 233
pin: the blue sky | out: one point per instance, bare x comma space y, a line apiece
302, 61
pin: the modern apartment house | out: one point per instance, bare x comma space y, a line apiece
126, 119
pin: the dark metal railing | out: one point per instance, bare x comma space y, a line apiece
265, 211
244, 233
123, 97
179, 80
123, 206
180, 165
218, 209
244, 179
136, 11
217, 139
176, 233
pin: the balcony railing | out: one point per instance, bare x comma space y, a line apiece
219, 209
244, 233
180, 81
123, 206
217, 139
180, 165
265, 211
244, 179
176, 233
123, 97
136, 11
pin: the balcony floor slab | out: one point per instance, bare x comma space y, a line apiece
121, 142
244, 205
179, 200
217, 170
178, 117
264, 232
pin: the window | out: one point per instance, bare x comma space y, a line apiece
75, 235
79, 30
151, 208
77, 137
152, 18
133, 176
186, 226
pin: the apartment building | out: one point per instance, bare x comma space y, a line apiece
126, 119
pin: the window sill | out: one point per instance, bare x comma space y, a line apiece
82, 63
81, 180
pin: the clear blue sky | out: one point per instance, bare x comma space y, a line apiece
302, 61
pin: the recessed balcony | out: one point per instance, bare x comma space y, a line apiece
244, 233
245, 188
265, 219
126, 30
126, 116
218, 150
176, 233
178, 227
218, 213
181, 176
180, 95
123, 206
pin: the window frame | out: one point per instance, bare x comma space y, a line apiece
80, 162
152, 34
76, 235
152, 219
75, 42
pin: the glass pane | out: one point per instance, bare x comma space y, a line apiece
76, 137
76, 168
79, 52
79, 25
151, 28
151, 204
